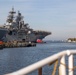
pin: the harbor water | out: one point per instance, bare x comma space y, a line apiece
12, 59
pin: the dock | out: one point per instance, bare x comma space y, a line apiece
16, 44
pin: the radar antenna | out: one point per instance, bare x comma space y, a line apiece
11, 16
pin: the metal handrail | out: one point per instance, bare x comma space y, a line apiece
39, 64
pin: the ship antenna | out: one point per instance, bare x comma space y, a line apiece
12, 12
13, 8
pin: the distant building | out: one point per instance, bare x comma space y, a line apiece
71, 39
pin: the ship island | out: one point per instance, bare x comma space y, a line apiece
15, 29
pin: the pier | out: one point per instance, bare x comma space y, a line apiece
15, 44
54, 59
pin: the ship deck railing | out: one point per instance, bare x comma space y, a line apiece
63, 67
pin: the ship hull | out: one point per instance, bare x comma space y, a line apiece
2, 33
34, 38
28, 38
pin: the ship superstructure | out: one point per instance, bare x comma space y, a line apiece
20, 31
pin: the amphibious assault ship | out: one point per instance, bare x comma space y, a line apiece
18, 30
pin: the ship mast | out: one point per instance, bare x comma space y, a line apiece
11, 16
19, 20
19, 17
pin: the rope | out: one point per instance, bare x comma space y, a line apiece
68, 67
54, 69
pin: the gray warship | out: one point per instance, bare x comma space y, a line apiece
16, 29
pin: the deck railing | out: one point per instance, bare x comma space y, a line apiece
49, 60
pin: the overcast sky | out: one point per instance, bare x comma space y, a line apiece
56, 16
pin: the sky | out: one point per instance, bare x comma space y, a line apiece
56, 16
